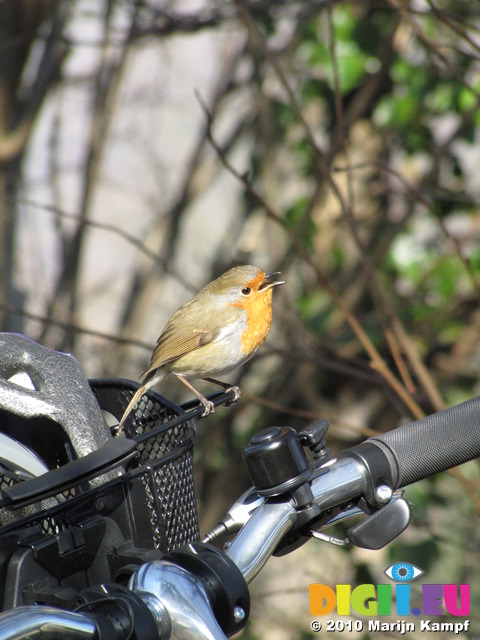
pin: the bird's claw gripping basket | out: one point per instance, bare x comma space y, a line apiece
79, 507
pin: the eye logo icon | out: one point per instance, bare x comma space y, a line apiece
403, 572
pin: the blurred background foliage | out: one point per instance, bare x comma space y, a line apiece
147, 146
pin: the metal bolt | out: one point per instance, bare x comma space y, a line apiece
383, 493
238, 614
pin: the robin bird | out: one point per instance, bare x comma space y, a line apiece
216, 331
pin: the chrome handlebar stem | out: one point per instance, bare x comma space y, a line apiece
177, 600
45, 622
259, 538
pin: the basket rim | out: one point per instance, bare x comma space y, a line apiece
134, 466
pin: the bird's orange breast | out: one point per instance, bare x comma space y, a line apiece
259, 319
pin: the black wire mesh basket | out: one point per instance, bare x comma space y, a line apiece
164, 467
148, 499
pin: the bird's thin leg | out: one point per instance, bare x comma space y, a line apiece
208, 406
228, 387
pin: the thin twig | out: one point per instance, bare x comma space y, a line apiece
259, 41
419, 196
386, 313
308, 415
73, 327
110, 228
462, 33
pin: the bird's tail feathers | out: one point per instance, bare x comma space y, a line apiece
150, 381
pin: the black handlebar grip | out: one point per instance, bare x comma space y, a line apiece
436, 443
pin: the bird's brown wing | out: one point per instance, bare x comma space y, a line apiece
198, 326
174, 344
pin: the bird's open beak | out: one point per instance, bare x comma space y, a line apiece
270, 280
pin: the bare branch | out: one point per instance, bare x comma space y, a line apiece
115, 230
72, 327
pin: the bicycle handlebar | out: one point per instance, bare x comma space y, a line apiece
35, 621
436, 443
269, 524
397, 458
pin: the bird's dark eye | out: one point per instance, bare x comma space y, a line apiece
246, 291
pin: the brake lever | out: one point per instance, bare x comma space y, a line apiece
374, 532
351, 512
